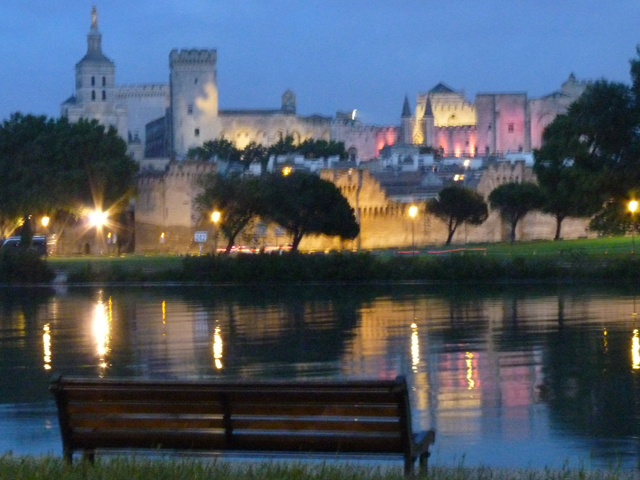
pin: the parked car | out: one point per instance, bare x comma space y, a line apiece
40, 243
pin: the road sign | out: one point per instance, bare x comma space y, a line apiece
200, 237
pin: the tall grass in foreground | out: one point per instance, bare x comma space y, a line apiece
130, 468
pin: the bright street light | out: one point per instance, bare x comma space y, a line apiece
413, 211
98, 218
45, 221
215, 217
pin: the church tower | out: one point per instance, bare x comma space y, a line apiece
193, 85
95, 95
429, 125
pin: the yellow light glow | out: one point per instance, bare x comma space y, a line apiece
469, 362
215, 217
98, 218
101, 331
635, 350
217, 348
162, 235
633, 206
286, 171
45, 221
46, 341
415, 348
466, 163
413, 211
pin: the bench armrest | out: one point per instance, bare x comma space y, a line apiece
422, 441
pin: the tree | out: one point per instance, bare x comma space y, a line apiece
312, 148
514, 201
254, 152
456, 206
238, 199
568, 190
54, 165
221, 148
304, 204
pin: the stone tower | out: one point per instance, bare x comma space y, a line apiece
429, 125
95, 95
406, 123
194, 99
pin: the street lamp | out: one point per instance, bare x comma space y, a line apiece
633, 206
413, 211
215, 218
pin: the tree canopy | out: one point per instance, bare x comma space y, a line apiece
514, 201
456, 206
50, 166
238, 199
304, 204
590, 159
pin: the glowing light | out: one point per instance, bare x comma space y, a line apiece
466, 163
415, 348
217, 348
45, 221
101, 331
469, 362
457, 152
215, 217
46, 341
633, 206
98, 218
635, 350
353, 114
413, 211
286, 171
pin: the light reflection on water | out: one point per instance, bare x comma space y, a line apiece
524, 377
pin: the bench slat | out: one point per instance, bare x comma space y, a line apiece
207, 440
215, 408
108, 423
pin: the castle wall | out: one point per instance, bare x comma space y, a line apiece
268, 128
166, 204
503, 122
144, 103
366, 140
456, 141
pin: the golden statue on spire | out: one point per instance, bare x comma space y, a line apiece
94, 18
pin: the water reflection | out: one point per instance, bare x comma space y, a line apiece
508, 378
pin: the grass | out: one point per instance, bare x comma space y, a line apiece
607, 258
136, 468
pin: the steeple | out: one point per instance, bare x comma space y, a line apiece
428, 110
406, 110
94, 41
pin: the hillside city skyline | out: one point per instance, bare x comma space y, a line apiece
311, 50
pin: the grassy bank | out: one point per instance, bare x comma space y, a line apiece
459, 266
127, 468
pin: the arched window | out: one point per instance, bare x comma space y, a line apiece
93, 81
104, 81
93, 94
104, 95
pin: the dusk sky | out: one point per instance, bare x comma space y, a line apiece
335, 55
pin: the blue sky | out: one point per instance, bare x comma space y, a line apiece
334, 54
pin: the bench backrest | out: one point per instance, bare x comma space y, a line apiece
311, 416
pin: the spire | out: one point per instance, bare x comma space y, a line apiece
406, 110
94, 41
428, 110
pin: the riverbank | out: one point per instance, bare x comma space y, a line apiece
126, 468
457, 266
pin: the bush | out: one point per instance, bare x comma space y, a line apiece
19, 265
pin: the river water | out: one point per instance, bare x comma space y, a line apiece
520, 376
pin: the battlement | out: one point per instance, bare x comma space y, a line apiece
191, 56
147, 90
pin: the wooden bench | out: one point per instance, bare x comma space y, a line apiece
341, 417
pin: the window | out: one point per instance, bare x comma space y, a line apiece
104, 81
510, 127
104, 95
190, 109
196, 132
196, 80
93, 94
93, 81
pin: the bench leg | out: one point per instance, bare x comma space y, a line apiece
409, 462
424, 463
89, 456
67, 454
